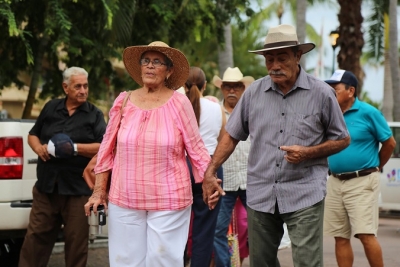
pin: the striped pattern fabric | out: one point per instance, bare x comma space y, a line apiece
307, 115
235, 167
149, 168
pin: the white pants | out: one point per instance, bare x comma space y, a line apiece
140, 238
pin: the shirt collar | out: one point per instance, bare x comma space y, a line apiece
84, 107
356, 105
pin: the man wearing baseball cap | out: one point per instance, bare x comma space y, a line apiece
351, 204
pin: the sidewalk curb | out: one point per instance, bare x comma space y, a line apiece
98, 243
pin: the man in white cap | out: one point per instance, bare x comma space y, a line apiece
294, 122
232, 85
351, 207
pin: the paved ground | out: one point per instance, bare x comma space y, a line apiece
389, 237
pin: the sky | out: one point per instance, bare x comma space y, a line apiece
324, 16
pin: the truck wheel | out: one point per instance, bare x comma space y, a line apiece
9, 251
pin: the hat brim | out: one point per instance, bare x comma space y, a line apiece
246, 80
305, 48
332, 81
131, 58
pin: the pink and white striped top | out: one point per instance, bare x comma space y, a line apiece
149, 171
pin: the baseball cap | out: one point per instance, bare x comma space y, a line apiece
343, 76
60, 146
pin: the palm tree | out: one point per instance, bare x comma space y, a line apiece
301, 25
394, 57
351, 38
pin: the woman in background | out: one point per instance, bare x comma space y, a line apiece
211, 120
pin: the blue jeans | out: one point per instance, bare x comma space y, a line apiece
203, 226
221, 249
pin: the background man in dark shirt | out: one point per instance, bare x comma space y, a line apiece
60, 191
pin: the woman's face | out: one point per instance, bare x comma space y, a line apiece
154, 76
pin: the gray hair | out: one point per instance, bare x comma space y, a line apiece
73, 71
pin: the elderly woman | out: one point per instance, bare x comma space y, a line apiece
150, 194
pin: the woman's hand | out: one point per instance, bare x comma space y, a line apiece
99, 195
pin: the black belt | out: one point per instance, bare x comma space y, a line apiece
351, 175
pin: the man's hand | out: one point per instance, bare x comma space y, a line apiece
295, 154
41, 151
212, 190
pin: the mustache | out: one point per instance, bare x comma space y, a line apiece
232, 95
276, 72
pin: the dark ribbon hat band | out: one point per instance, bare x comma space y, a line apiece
279, 44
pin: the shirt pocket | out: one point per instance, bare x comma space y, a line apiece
305, 126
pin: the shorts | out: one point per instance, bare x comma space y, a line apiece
351, 206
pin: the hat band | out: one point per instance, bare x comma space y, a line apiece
279, 44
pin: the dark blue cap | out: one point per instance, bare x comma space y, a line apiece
343, 76
61, 146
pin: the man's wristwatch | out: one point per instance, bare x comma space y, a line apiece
75, 150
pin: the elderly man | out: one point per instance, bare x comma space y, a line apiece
294, 123
75, 129
232, 85
351, 206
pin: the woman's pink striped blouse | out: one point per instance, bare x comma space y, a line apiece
149, 170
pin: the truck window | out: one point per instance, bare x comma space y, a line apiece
396, 135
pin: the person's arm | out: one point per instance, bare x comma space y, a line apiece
386, 151
296, 154
37, 147
211, 185
222, 131
87, 150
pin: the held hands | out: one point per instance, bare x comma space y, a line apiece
212, 190
295, 154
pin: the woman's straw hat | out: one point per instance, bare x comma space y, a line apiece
132, 55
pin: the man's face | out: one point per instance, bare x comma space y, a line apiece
232, 92
282, 65
343, 95
77, 90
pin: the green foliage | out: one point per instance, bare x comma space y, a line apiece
53, 34
365, 97
376, 30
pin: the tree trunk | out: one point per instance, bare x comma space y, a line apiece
394, 57
26, 114
301, 26
351, 40
387, 105
225, 52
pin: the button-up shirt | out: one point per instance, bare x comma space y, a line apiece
307, 115
85, 125
235, 167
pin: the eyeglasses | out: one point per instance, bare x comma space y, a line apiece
236, 87
156, 63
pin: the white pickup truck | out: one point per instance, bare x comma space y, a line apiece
390, 177
17, 177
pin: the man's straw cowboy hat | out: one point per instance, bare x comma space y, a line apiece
283, 36
232, 75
